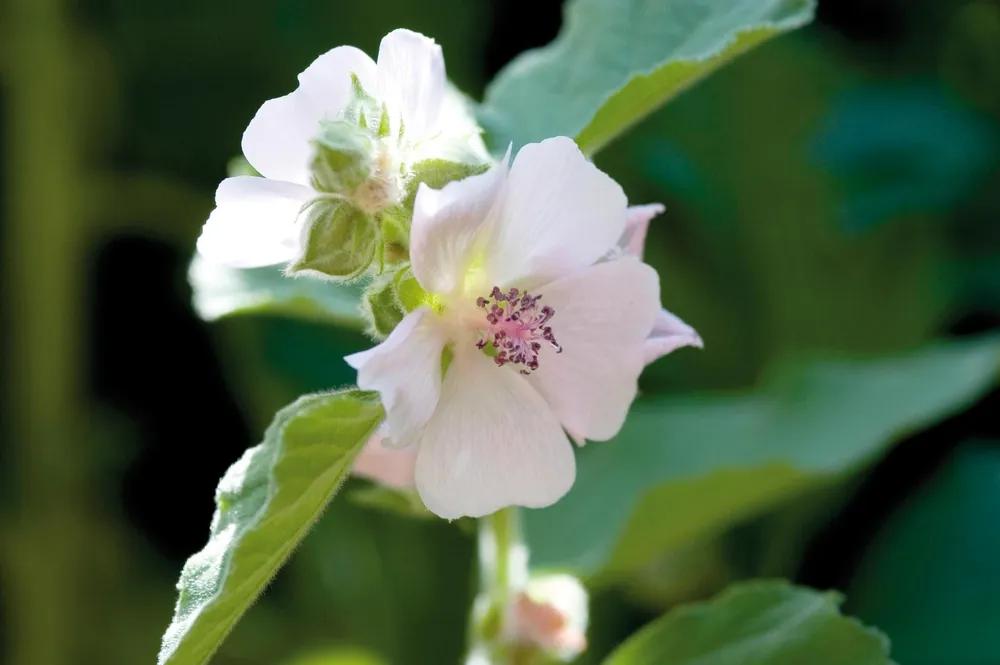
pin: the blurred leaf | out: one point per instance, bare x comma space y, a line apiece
759, 623
222, 292
616, 62
337, 657
750, 250
904, 149
685, 468
265, 504
387, 499
397, 586
931, 578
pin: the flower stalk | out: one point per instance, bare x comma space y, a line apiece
503, 572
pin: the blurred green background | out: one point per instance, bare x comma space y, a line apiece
834, 194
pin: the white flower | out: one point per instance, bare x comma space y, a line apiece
543, 334
257, 221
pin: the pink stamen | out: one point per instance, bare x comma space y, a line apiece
516, 327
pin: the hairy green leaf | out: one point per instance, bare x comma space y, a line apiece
265, 504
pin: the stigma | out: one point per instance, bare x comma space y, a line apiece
516, 327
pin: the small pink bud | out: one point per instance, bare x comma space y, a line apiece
550, 614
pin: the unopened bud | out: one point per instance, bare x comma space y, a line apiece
339, 242
551, 615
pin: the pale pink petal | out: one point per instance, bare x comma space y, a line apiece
493, 442
561, 214
603, 316
669, 334
277, 141
637, 219
551, 614
411, 80
392, 467
405, 369
254, 223
450, 225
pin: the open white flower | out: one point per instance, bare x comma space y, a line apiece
258, 221
543, 334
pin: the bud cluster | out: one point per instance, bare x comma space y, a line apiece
358, 222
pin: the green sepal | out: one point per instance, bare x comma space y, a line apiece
436, 173
342, 158
383, 312
363, 109
395, 226
384, 124
340, 240
409, 294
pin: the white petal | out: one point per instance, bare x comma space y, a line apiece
561, 214
277, 141
492, 442
602, 318
450, 225
411, 80
254, 223
669, 334
458, 137
392, 467
637, 219
406, 371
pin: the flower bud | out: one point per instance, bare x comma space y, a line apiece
339, 240
551, 615
343, 158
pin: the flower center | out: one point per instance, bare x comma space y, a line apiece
384, 187
516, 328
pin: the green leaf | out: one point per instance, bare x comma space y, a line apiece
221, 292
265, 504
759, 623
930, 577
615, 62
389, 500
339, 656
686, 468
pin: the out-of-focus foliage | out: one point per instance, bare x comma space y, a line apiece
616, 62
931, 580
758, 623
835, 193
687, 468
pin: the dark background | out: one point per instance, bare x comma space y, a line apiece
873, 133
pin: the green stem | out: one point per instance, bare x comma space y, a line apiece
42, 264
503, 571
